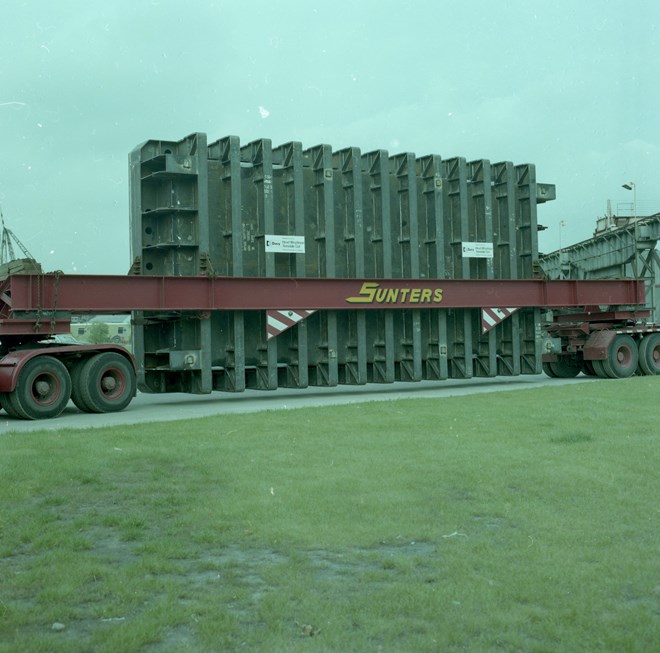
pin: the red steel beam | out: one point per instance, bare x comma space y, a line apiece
117, 294
44, 327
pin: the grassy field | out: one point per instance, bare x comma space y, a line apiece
514, 521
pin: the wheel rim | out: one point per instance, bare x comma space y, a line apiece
622, 357
112, 384
46, 389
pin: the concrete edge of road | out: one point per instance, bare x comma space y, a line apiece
168, 407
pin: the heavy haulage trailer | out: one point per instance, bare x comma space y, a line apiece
621, 247
37, 378
261, 267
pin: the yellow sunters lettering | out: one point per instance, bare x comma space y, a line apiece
371, 292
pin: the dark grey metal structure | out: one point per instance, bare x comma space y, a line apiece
620, 248
209, 208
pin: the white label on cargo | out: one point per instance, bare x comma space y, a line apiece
285, 244
477, 250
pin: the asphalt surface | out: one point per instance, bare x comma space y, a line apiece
166, 407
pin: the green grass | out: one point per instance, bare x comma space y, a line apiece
513, 521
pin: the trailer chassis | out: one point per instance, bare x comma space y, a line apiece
37, 379
608, 344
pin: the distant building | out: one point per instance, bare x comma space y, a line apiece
119, 328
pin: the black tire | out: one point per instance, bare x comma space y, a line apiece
649, 354
566, 367
6, 403
43, 389
548, 370
106, 383
622, 357
599, 370
76, 388
588, 368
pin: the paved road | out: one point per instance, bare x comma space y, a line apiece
165, 407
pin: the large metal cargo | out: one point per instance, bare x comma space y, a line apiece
622, 247
224, 209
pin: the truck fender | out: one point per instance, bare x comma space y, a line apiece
597, 346
11, 366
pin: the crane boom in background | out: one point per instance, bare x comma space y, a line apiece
8, 261
7, 250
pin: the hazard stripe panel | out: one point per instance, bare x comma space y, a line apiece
491, 317
279, 321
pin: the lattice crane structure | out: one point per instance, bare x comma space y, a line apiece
7, 253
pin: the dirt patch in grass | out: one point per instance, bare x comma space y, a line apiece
177, 638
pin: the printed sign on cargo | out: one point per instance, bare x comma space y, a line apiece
477, 250
372, 292
285, 244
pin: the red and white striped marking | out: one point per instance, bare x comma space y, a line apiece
491, 317
279, 321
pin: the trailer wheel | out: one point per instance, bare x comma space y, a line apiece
599, 369
77, 396
588, 368
566, 367
622, 357
5, 402
106, 383
43, 389
649, 354
548, 370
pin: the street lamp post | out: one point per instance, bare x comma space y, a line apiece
632, 186
562, 266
